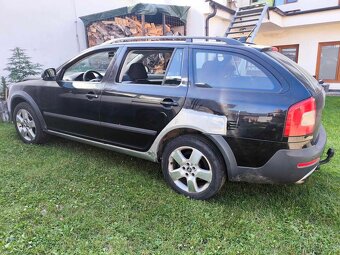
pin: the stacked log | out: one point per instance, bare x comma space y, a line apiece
101, 31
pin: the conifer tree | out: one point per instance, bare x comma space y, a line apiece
20, 66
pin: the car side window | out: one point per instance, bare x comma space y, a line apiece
148, 66
214, 69
93, 67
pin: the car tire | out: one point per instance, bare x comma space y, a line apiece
193, 166
28, 125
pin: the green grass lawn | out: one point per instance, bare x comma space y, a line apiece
69, 198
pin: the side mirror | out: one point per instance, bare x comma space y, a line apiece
49, 74
321, 82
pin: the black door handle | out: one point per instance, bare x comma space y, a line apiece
91, 95
168, 102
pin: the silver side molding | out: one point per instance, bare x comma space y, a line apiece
139, 154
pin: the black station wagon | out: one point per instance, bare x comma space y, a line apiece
208, 109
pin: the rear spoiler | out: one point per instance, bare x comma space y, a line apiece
269, 48
262, 48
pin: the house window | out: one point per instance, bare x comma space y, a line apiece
290, 51
328, 62
261, 1
272, 2
290, 1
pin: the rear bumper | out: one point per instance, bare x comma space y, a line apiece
282, 167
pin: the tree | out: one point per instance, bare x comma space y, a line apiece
20, 66
3, 87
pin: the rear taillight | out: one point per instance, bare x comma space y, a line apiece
301, 118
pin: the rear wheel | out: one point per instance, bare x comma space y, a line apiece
27, 124
193, 166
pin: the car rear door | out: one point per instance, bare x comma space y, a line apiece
246, 89
133, 112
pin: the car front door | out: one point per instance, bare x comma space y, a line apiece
71, 104
143, 96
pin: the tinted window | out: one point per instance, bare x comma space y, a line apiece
301, 74
232, 71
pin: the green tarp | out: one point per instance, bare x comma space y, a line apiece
180, 12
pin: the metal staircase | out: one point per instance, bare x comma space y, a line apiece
246, 22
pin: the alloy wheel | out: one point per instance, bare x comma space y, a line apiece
190, 169
26, 125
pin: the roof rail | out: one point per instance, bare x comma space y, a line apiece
228, 41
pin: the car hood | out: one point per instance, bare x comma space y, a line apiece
28, 78
32, 77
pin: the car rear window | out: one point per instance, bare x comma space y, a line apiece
300, 73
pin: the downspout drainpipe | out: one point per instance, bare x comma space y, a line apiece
76, 25
211, 15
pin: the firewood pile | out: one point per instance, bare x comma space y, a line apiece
101, 31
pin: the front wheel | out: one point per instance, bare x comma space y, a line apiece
27, 124
193, 166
